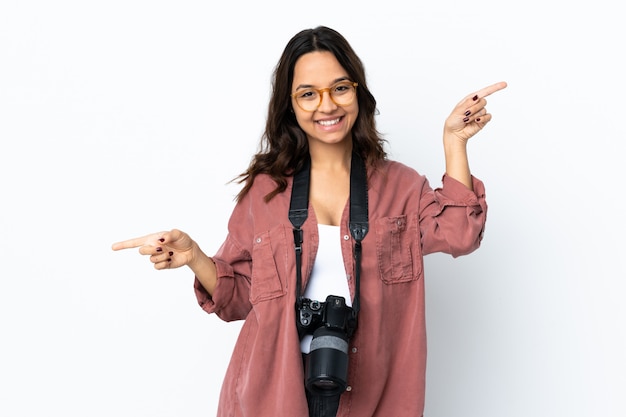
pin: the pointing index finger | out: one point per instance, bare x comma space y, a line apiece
491, 89
136, 242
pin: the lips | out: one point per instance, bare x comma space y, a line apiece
330, 122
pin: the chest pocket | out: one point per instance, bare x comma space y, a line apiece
398, 249
268, 248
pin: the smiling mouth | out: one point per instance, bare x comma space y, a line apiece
329, 122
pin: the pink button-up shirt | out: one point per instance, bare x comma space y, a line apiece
387, 354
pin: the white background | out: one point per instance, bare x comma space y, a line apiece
122, 118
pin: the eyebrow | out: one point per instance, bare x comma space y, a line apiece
301, 86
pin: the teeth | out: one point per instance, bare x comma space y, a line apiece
329, 122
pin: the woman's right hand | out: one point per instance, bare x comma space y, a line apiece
167, 250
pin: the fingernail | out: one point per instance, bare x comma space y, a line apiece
169, 259
159, 249
171, 253
475, 97
467, 113
478, 120
161, 240
466, 119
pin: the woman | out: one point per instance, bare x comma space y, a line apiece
321, 123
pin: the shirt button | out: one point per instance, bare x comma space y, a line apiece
348, 388
258, 240
354, 350
346, 237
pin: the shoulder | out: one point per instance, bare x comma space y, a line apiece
394, 172
253, 214
398, 168
262, 186
395, 184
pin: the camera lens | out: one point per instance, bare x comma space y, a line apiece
327, 362
325, 385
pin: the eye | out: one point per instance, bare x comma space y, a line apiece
307, 95
342, 88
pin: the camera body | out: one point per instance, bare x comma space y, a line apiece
331, 323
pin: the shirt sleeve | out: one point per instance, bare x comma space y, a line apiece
231, 298
452, 218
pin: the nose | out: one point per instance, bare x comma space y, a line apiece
327, 104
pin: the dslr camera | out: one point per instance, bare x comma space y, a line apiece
331, 323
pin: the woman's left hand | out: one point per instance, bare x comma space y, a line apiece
469, 116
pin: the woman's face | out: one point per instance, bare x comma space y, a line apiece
330, 123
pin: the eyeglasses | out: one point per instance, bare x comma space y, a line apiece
341, 93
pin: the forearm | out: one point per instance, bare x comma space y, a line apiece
204, 269
457, 163
468, 118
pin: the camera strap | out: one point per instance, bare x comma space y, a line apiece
358, 223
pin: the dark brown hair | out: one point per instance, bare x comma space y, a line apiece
284, 145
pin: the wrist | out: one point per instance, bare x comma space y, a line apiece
453, 144
195, 258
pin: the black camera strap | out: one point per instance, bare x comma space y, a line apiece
358, 224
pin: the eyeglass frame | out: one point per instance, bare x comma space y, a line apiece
321, 92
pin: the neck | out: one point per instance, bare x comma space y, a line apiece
331, 157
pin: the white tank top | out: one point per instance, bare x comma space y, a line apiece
329, 273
